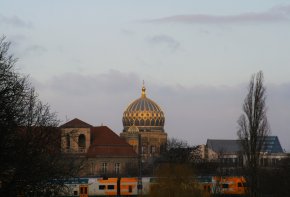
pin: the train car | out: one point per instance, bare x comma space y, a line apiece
86, 187
223, 185
76, 187
128, 186
230, 185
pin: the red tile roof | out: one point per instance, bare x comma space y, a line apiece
106, 143
76, 123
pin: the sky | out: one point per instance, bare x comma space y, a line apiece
87, 59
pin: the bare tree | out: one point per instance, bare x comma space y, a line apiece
179, 151
253, 128
29, 138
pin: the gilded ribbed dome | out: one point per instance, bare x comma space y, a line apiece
145, 114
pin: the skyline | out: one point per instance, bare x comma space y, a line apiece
88, 60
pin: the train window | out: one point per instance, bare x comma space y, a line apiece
130, 188
240, 184
102, 187
225, 185
111, 186
75, 193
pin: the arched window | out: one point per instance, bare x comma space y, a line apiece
82, 141
157, 122
147, 122
67, 138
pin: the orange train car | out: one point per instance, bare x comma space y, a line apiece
223, 185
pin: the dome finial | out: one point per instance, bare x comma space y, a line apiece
143, 90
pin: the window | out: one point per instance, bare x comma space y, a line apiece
92, 168
144, 150
82, 141
111, 187
75, 193
84, 190
153, 149
67, 138
104, 168
240, 184
147, 122
102, 187
130, 188
117, 168
225, 185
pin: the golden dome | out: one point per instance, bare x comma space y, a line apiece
145, 114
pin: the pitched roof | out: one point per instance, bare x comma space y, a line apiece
76, 123
224, 146
106, 143
270, 145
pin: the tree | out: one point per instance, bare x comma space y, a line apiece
179, 151
175, 171
253, 128
29, 138
175, 179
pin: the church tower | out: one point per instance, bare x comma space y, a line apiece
143, 122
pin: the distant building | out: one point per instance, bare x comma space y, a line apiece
143, 122
229, 153
103, 151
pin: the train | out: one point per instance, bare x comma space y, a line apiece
223, 185
121, 186
134, 186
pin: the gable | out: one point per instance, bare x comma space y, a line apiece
76, 123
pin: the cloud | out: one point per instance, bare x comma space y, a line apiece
14, 21
275, 14
164, 40
35, 50
109, 83
193, 113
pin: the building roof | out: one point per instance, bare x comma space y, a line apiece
271, 145
224, 146
76, 123
106, 143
